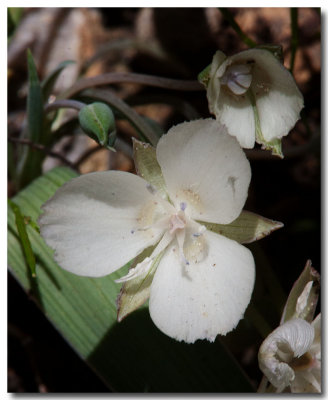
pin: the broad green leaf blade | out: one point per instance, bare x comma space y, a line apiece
303, 297
49, 82
247, 228
131, 356
147, 167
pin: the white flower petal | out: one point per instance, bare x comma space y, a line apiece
92, 222
278, 98
237, 114
204, 299
290, 340
278, 114
205, 169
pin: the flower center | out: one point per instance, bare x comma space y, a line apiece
177, 221
302, 363
160, 215
238, 78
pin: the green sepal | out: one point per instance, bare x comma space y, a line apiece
303, 297
147, 166
274, 146
204, 76
136, 292
247, 228
97, 121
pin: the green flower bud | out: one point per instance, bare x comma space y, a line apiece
97, 121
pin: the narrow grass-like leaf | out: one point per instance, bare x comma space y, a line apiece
34, 102
50, 80
130, 356
29, 165
229, 17
21, 229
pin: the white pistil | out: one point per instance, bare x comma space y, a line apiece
177, 221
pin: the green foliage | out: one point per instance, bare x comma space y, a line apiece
25, 242
14, 15
49, 82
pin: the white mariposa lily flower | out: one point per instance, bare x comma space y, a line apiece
98, 222
255, 96
291, 356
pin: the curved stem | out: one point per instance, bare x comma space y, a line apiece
149, 80
40, 147
77, 105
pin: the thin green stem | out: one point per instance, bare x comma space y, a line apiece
294, 37
229, 17
42, 148
149, 80
77, 105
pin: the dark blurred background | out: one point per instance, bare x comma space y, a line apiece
176, 43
